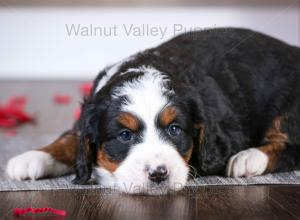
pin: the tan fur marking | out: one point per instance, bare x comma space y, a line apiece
188, 154
63, 149
103, 160
168, 115
129, 121
202, 132
274, 134
201, 128
273, 151
276, 143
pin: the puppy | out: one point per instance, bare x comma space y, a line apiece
216, 102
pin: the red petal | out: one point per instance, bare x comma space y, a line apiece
86, 88
18, 102
13, 114
62, 99
8, 122
19, 115
77, 113
2, 112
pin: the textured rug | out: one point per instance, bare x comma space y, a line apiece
10, 146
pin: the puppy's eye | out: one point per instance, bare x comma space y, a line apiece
174, 130
125, 136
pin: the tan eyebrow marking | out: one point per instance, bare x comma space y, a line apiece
129, 121
188, 154
168, 115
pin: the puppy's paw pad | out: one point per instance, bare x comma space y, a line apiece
251, 162
33, 165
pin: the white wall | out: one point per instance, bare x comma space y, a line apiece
34, 42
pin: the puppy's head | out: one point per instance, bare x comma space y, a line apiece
141, 132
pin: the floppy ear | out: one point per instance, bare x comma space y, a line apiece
89, 141
199, 123
211, 139
189, 98
84, 161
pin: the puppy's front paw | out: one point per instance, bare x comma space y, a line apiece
34, 165
251, 162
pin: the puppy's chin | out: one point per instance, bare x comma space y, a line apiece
143, 186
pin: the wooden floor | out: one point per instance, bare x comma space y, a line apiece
214, 202
210, 202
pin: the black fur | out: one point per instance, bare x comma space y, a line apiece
234, 81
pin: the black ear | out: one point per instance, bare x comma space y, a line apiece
210, 141
196, 111
89, 140
84, 161
199, 120
191, 100
216, 131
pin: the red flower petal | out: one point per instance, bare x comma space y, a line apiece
8, 122
19, 115
86, 88
62, 99
18, 102
13, 112
77, 113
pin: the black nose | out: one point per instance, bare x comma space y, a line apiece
159, 174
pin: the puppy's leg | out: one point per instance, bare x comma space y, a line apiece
273, 157
56, 159
276, 155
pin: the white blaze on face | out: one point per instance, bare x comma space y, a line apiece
146, 101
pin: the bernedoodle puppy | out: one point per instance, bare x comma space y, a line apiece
216, 102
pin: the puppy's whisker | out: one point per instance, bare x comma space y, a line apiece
193, 172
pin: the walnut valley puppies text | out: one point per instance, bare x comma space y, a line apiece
130, 30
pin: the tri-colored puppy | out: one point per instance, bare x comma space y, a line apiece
220, 101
